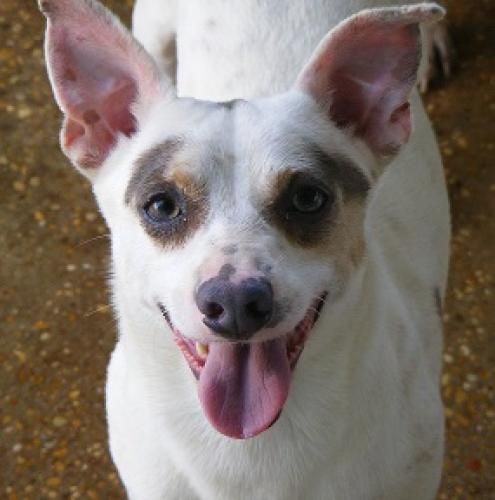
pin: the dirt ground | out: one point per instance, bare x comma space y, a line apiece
57, 330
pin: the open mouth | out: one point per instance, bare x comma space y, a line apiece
242, 387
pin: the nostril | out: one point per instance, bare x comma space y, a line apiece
215, 300
255, 304
213, 310
256, 309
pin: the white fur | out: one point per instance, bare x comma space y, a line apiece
255, 32
364, 417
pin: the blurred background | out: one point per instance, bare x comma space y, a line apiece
56, 327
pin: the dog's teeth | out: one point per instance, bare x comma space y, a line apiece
202, 349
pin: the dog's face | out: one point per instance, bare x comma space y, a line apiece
243, 192
237, 226
235, 223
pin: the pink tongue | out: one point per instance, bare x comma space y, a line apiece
242, 387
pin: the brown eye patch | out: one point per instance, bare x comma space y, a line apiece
304, 204
302, 209
171, 204
339, 171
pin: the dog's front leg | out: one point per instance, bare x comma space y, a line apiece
138, 448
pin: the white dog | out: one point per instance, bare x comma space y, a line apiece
278, 261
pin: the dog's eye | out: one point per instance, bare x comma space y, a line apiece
308, 199
162, 207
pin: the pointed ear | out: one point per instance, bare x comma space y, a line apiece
364, 70
98, 74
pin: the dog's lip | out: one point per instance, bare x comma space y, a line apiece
296, 338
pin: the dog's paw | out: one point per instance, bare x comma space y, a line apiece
438, 55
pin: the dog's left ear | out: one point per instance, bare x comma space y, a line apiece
99, 74
364, 70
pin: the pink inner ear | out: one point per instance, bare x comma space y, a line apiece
97, 71
363, 73
96, 95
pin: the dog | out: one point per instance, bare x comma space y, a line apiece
278, 260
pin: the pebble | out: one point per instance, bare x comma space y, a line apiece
34, 182
90, 216
45, 337
23, 113
59, 421
53, 482
19, 186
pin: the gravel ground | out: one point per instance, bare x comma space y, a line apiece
56, 326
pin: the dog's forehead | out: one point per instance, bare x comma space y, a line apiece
243, 142
255, 137
284, 134
206, 139
267, 135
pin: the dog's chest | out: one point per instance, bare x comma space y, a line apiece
314, 455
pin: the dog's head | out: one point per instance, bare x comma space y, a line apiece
235, 222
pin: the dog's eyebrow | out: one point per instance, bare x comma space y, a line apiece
151, 163
338, 170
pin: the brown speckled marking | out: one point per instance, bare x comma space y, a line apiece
230, 249
226, 271
262, 266
90, 117
70, 75
169, 49
169, 58
157, 171
424, 455
438, 302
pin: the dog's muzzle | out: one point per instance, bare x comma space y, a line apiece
235, 311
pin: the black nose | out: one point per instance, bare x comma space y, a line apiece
235, 311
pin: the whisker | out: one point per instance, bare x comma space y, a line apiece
90, 240
99, 309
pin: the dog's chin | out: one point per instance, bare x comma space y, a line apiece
243, 386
